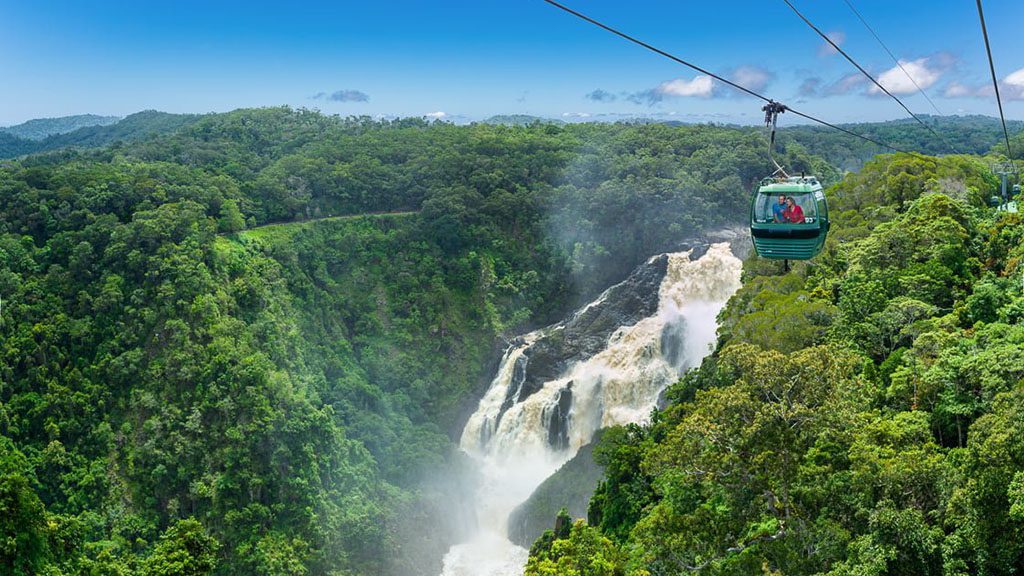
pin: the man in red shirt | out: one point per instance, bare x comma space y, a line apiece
793, 214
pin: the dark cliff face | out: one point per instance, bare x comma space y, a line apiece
571, 487
587, 332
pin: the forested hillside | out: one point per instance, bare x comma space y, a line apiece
242, 348
959, 134
863, 413
87, 131
943, 135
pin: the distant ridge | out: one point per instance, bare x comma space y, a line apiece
973, 134
40, 128
132, 128
520, 120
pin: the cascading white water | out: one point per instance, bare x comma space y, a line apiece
618, 385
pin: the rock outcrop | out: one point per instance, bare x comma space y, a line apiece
570, 487
587, 332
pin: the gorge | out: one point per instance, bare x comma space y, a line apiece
556, 387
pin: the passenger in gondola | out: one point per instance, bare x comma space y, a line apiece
778, 210
793, 213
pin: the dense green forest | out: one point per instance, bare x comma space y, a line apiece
862, 415
956, 135
243, 343
245, 346
959, 134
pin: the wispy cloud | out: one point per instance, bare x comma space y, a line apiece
600, 95
342, 96
814, 86
958, 90
575, 114
436, 115
1011, 87
752, 77
826, 49
810, 86
845, 85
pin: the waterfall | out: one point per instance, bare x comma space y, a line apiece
523, 431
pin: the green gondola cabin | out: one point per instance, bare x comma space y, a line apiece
783, 240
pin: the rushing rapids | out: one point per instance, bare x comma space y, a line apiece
556, 387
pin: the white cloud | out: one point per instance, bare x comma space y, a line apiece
826, 49
438, 115
897, 82
1010, 88
701, 87
575, 114
1015, 78
1014, 85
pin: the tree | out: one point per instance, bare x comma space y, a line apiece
184, 549
584, 553
986, 521
231, 218
23, 528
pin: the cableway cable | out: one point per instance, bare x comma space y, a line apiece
723, 80
893, 56
656, 50
865, 73
995, 83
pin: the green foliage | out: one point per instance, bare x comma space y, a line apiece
1016, 146
583, 553
276, 555
23, 529
12, 146
727, 473
622, 497
957, 374
185, 549
231, 218
987, 529
131, 128
787, 320
895, 181
967, 134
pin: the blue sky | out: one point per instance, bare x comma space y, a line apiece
472, 59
